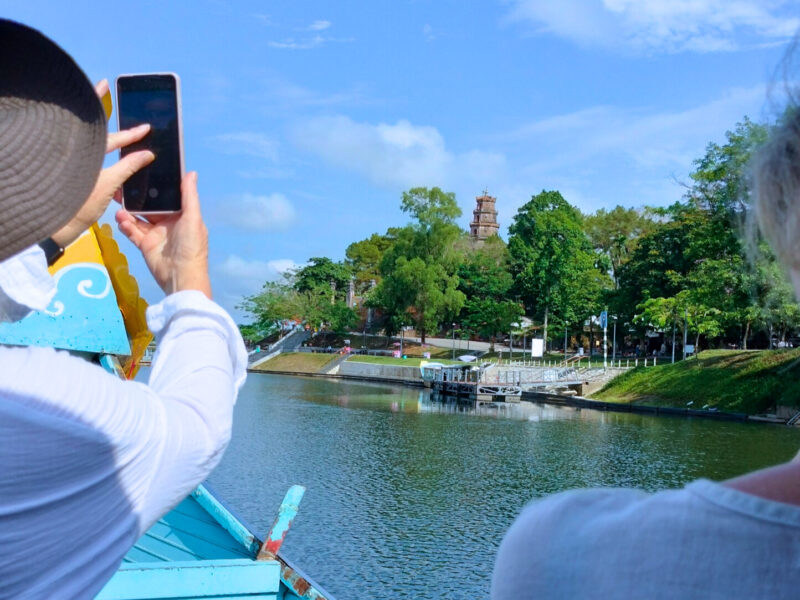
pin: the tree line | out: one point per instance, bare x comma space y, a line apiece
688, 266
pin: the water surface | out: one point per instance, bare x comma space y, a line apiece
409, 499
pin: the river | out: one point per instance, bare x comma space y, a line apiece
410, 499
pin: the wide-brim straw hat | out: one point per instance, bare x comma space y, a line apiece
52, 137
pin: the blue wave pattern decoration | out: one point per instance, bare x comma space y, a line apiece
83, 316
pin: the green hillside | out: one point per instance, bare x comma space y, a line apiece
738, 381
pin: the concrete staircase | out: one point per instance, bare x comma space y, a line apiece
288, 343
332, 368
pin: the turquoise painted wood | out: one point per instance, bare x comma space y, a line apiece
197, 549
83, 316
240, 578
226, 519
189, 554
187, 533
286, 514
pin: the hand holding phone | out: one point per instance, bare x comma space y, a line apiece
153, 98
175, 247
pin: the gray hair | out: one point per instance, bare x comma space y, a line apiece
776, 188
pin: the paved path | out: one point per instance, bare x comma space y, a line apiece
462, 345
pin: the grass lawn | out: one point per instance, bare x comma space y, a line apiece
437, 353
739, 381
297, 362
411, 361
336, 340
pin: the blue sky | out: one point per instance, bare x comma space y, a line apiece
306, 120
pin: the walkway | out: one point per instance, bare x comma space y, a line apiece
462, 346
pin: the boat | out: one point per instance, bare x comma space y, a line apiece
201, 548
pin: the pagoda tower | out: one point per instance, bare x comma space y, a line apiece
484, 221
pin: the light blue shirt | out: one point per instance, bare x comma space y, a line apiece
704, 541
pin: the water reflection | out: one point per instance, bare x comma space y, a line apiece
524, 411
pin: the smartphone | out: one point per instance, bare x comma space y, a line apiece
153, 98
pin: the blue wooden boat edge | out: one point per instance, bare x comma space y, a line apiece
195, 579
300, 584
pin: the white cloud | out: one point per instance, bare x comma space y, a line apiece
402, 154
319, 25
289, 94
253, 272
265, 173
645, 138
307, 43
663, 25
259, 213
427, 31
237, 277
606, 155
249, 143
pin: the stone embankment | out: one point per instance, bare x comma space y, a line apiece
340, 367
361, 370
580, 402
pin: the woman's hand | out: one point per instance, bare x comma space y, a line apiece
109, 181
175, 247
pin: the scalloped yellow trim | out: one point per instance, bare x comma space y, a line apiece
131, 305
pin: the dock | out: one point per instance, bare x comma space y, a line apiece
471, 383
491, 382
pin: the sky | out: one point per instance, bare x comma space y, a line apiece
307, 120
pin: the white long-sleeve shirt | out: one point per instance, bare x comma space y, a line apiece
88, 462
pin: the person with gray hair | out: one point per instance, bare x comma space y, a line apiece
88, 462
734, 539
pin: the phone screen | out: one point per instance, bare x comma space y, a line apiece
152, 99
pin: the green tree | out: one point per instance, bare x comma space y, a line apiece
275, 303
700, 318
281, 301
486, 283
552, 261
662, 314
720, 175
319, 274
696, 245
614, 233
420, 293
364, 258
419, 284
776, 309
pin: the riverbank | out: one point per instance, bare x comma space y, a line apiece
750, 382
357, 368
580, 402
308, 362
296, 362
761, 385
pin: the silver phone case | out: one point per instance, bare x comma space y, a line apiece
180, 131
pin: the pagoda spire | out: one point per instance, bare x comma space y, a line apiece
484, 221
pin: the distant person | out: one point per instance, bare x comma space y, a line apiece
88, 462
735, 539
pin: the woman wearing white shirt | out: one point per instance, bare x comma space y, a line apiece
88, 462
